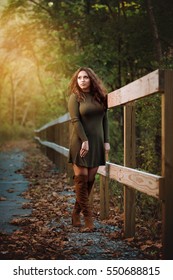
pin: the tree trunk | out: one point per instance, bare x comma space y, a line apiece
25, 114
13, 102
155, 32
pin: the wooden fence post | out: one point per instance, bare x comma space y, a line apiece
65, 143
60, 143
167, 164
42, 135
57, 155
104, 194
50, 136
129, 161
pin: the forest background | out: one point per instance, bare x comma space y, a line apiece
43, 42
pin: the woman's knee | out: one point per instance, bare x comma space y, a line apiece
79, 170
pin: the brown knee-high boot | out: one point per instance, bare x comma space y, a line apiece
76, 215
77, 209
81, 186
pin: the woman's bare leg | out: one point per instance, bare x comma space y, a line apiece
91, 173
91, 178
79, 170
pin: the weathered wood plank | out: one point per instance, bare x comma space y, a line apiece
138, 180
62, 150
147, 85
61, 119
141, 181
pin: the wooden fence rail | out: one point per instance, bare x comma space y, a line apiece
54, 137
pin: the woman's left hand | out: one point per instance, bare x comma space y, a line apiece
107, 147
84, 149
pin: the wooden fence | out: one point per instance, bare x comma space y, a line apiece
54, 137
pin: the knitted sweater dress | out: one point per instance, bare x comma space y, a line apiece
89, 123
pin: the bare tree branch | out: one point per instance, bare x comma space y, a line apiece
42, 7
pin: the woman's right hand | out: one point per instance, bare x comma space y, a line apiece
84, 149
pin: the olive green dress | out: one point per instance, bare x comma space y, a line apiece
89, 122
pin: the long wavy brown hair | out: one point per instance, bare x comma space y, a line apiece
96, 86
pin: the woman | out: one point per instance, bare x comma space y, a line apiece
89, 139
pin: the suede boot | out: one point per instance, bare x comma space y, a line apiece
76, 215
77, 209
81, 185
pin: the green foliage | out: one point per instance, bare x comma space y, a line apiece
116, 135
8, 133
148, 130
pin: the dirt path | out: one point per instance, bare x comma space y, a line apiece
45, 232
12, 184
